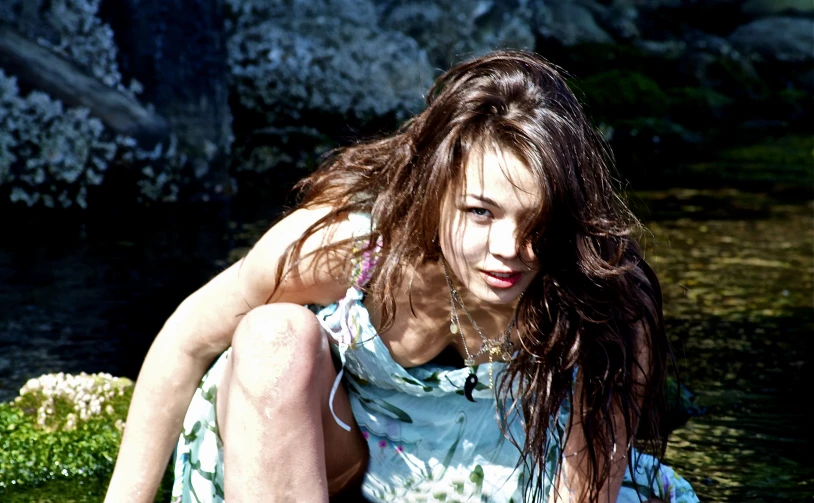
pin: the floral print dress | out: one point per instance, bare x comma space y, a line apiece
427, 441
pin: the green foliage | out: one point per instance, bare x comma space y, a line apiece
784, 161
62, 490
32, 456
618, 94
588, 59
699, 96
697, 105
731, 74
790, 106
789, 150
60, 438
654, 127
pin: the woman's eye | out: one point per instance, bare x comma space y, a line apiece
480, 212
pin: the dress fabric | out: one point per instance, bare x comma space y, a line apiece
427, 441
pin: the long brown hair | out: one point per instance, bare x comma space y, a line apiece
595, 305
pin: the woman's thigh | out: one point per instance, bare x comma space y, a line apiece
282, 363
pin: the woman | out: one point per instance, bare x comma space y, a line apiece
501, 338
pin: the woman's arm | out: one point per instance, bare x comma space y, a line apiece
573, 479
201, 328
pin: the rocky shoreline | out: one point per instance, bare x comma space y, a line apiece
665, 80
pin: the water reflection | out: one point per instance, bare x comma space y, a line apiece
738, 277
91, 295
737, 270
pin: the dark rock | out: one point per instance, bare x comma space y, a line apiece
570, 24
452, 30
765, 8
323, 55
784, 39
663, 49
620, 20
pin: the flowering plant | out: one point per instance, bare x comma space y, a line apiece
62, 428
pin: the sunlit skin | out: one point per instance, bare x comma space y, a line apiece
481, 223
306, 456
277, 406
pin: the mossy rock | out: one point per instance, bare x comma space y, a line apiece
740, 80
791, 107
763, 8
645, 148
60, 438
697, 106
786, 151
771, 164
617, 95
585, 60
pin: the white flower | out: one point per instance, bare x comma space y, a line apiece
87, 393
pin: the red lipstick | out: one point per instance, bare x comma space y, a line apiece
500, 279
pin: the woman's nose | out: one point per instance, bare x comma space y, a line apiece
503, 240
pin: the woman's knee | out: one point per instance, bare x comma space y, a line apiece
278, 342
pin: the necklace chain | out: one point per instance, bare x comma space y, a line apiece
500, 346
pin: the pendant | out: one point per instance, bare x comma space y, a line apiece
469, 386
453, 328
499, 353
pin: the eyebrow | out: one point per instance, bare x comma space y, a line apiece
484, 199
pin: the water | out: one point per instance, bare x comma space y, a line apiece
738, 277
91, 296
737, 271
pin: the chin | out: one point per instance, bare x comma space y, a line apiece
502, 296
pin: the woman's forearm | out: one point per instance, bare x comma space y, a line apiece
164, 388
201, 328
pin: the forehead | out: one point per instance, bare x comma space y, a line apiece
499, 175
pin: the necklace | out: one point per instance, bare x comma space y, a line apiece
498, 347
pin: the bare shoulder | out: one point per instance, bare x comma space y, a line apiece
206, 320
317, 274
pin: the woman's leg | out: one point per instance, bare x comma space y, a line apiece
281, 442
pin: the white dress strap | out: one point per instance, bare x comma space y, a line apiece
362, 271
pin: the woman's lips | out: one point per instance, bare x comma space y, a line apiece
497, 279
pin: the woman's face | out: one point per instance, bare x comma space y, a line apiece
481, 226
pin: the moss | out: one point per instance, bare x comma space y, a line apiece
790, 151
775, 163
615, 95
791, 105
741, 80
782, 165
584, 60
33, 456
697, 105
55, 447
